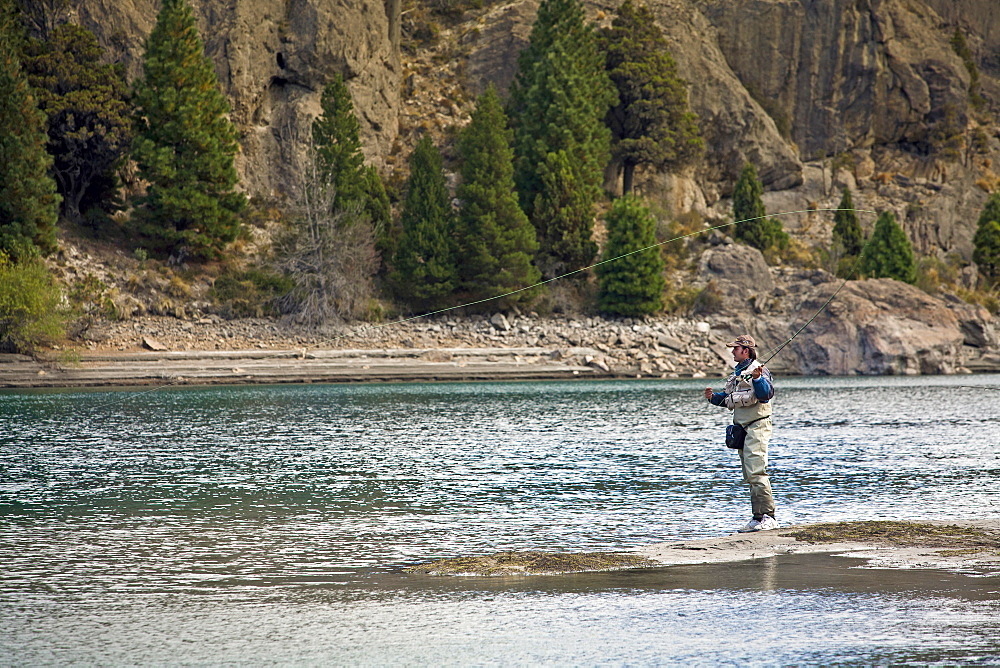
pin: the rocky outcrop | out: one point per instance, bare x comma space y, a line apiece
272, 60
878, 327
740, 275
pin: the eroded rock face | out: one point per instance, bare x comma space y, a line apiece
273, 60
848, 73
873, 327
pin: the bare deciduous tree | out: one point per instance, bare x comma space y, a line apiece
329, 254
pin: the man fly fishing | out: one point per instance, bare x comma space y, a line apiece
748, 394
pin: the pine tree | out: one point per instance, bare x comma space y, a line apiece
425, 274
847, 234
991, 210
986, 251
336, 137
631, 285
889, 253
753, 227
89, 124
185, 145
986, 242
378, 210
28, 199
563, 217
652, 123
497, 240
847, 239
558, 101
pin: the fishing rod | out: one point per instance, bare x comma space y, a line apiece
854, 269
377, 326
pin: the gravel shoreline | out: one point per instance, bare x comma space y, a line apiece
650, 347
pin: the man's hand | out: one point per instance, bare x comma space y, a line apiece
708, 393
756, 372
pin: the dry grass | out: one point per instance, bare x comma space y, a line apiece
901, 534
532, 563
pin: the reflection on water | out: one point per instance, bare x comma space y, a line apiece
231, 524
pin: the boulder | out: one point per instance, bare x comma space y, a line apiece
740, 273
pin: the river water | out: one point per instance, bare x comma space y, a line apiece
270, 525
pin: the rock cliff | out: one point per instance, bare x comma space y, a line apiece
272, 60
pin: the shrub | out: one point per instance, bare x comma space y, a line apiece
31, 309
708, 300
250, 293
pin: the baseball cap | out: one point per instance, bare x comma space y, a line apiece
744, 340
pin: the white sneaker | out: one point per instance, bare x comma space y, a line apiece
752, 525
767, 524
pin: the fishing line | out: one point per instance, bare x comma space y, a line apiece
363, 329
854, 268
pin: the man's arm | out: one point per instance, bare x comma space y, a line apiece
762, 387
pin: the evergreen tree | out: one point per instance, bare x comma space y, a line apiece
86, 102
425, 274
378, 210
336, 137
847, 238
986, 251
991, 210
186, 144
986, 242
631, 285
563, 217
558, 101
889, 253
28, 199
847, 234
652, 123
497, 240
753, 227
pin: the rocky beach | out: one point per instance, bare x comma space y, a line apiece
153, 350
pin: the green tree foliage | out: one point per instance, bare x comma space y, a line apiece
425, 273
631, 285
558, 102
889, 253
89, 123
185, 144
756, 229
652, 123
28, 199
563, 217
848, 239
991, 210
847, 234
986, 251
378, 210
336, 135
497, 240
961, 48
31, 305
338, 146
986, 242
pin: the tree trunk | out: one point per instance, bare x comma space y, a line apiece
628, 174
